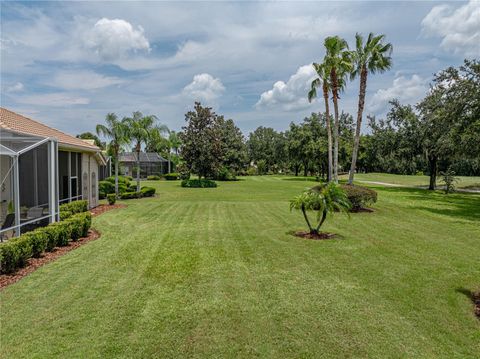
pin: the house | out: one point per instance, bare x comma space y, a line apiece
151, 163
41, 168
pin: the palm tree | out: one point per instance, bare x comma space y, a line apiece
174, 144
116, 131
139, 131
157, 141
339, 63
369, 57
325, 199
323, 80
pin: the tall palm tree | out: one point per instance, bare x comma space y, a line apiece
174, 143
369, 57
158, 142
117, 132
339, 63
139, 131
323, 80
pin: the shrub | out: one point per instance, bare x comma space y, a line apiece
153, 178
147, 191
130, 195
132, 188
360, 196
171, 176
111, 198
199, 183
52, 234
121, 179
14, 254
73, 207
105, 188
38, 242
183, 171
65, 215
448, 177
224, 174
251, 171
63, 230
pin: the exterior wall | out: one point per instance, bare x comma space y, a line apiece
90, 172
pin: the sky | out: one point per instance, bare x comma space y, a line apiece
68, 64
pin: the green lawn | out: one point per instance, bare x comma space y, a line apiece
405, 180
214, 273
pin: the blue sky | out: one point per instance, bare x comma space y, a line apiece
68, 64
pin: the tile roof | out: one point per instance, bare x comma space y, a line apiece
13, 121
144, 157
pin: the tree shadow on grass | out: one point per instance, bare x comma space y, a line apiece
458, 205
300, 179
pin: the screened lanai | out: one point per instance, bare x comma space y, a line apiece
28, 182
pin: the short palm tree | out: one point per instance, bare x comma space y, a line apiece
338, 61
371, 56
174, 144
139, 131
324, 200
323, 80
116, 131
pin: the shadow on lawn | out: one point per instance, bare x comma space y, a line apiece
459, 205
300, 179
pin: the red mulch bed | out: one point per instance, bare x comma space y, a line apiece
47, 257
476, 302
102, 208
317, 236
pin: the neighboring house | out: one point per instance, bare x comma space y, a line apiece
151, 163
41, 168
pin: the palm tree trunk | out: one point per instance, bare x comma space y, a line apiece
336, 126
361, 104
306, 219
324, 216
116, 173
329, 134
169, 160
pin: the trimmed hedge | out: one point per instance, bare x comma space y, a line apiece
153, 178
111, 198
72, 207
15, 253
199, 183
359, 196
172, 176
147, 191
130, 195
105, 188
121, 179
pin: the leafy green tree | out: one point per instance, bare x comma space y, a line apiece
202, 148
263, 144
140, 128
234, 148
324, 200
338, 61
117, 132
323, 80
91, 136
371, 56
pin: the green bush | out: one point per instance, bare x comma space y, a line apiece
130, 195
153, 178
14, 254
251, 171
199, 183
359, 196
111, 198
172, 176
121, 179
128, 178
63, 233
52, 232
65, 215
105, 188
76, 227
147, 191
72, 207
38, 242
224, 174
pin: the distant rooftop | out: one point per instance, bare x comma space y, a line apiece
144, 157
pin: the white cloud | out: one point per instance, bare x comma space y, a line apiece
53, 99
204, 87
83, 80
291, 95
113, 39
460, 27
406, 90
15, 87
